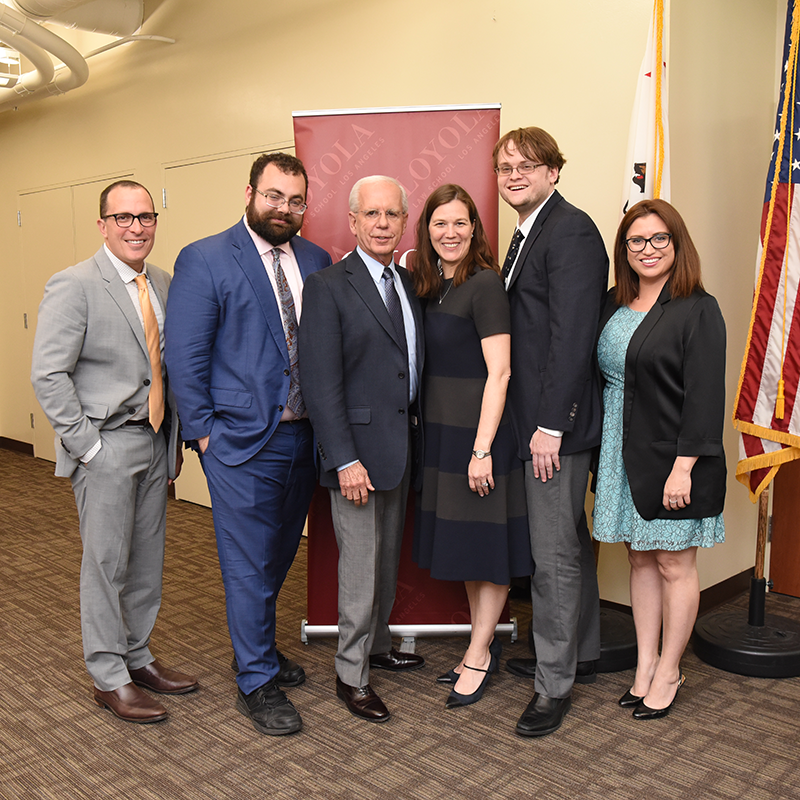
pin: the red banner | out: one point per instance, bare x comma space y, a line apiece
421, 148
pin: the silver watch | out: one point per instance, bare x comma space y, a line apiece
481, 453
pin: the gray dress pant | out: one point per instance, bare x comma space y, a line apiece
369, 539
121, 495
565, 598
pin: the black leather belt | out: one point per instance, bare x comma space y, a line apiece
137, 423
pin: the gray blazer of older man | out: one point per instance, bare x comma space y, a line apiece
91, 374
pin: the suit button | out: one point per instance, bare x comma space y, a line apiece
286, 372
280, 408
131, 410
401, 375
147, 381
401, 410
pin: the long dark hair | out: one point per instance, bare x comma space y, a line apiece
427, 280
685, 276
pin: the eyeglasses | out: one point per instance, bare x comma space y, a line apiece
638, 243
146, 220
525, 168
373, 215
277, 201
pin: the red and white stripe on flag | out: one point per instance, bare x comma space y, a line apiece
647, 162
766, 410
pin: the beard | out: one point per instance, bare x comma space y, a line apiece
262, 223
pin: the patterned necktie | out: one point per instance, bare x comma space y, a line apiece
393, 305
295, 400
513, 249
155, 400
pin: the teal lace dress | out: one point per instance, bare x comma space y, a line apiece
615, 516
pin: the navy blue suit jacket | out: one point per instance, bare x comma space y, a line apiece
354, 375
225, 344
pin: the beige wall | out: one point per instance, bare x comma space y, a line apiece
238, 69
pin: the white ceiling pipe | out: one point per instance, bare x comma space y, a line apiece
75, 74
113, 17
43, 70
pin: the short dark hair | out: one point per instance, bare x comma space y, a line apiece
283, 161
427, 280
535, 144
123, 184
685, 276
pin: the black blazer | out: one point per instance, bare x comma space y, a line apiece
354, 375
675, 402
555, 294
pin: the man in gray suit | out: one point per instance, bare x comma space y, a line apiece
360, 347
97, 374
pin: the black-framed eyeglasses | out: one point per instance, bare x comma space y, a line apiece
277, 201
525, 168
146, 219
638, 243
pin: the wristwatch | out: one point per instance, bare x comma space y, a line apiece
481, 453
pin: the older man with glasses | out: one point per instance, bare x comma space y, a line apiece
98, 374
233, 313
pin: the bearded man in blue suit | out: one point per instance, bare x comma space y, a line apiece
234, 307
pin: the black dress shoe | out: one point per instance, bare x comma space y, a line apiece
269, 710
543, 715
495, 650
396, 661
361, 701
585, 672
630, 700
290, 673
645, 712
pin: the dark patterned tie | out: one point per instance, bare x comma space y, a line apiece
295, 400
393, 305
513, 249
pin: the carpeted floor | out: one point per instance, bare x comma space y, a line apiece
728, 736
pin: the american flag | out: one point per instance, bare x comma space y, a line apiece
765, 411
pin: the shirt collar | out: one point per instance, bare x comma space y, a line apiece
526, 226
262, 245
374, 266
127, 273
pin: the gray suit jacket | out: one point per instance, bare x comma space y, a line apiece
91, 370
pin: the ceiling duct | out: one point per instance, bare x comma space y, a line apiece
114, 17
20, 29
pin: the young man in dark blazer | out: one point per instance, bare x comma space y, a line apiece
361, 349
556, 273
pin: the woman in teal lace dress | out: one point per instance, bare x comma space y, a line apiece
661, 476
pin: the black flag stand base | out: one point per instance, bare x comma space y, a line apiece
764, 646
617, 641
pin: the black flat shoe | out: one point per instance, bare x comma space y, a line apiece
456, 700
645, 712
630, 700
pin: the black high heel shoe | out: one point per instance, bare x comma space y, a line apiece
495, 650
645, 712
630, 700
456, 700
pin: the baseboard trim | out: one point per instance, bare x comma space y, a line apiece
16, 446
711, 597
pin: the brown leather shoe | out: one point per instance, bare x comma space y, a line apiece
158, 678
362, 701
131, 704
396, 661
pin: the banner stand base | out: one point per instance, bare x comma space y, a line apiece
409, 633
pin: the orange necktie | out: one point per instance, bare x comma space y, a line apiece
155, 400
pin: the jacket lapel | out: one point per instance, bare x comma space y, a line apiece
549, 205
119, 293
246, 256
